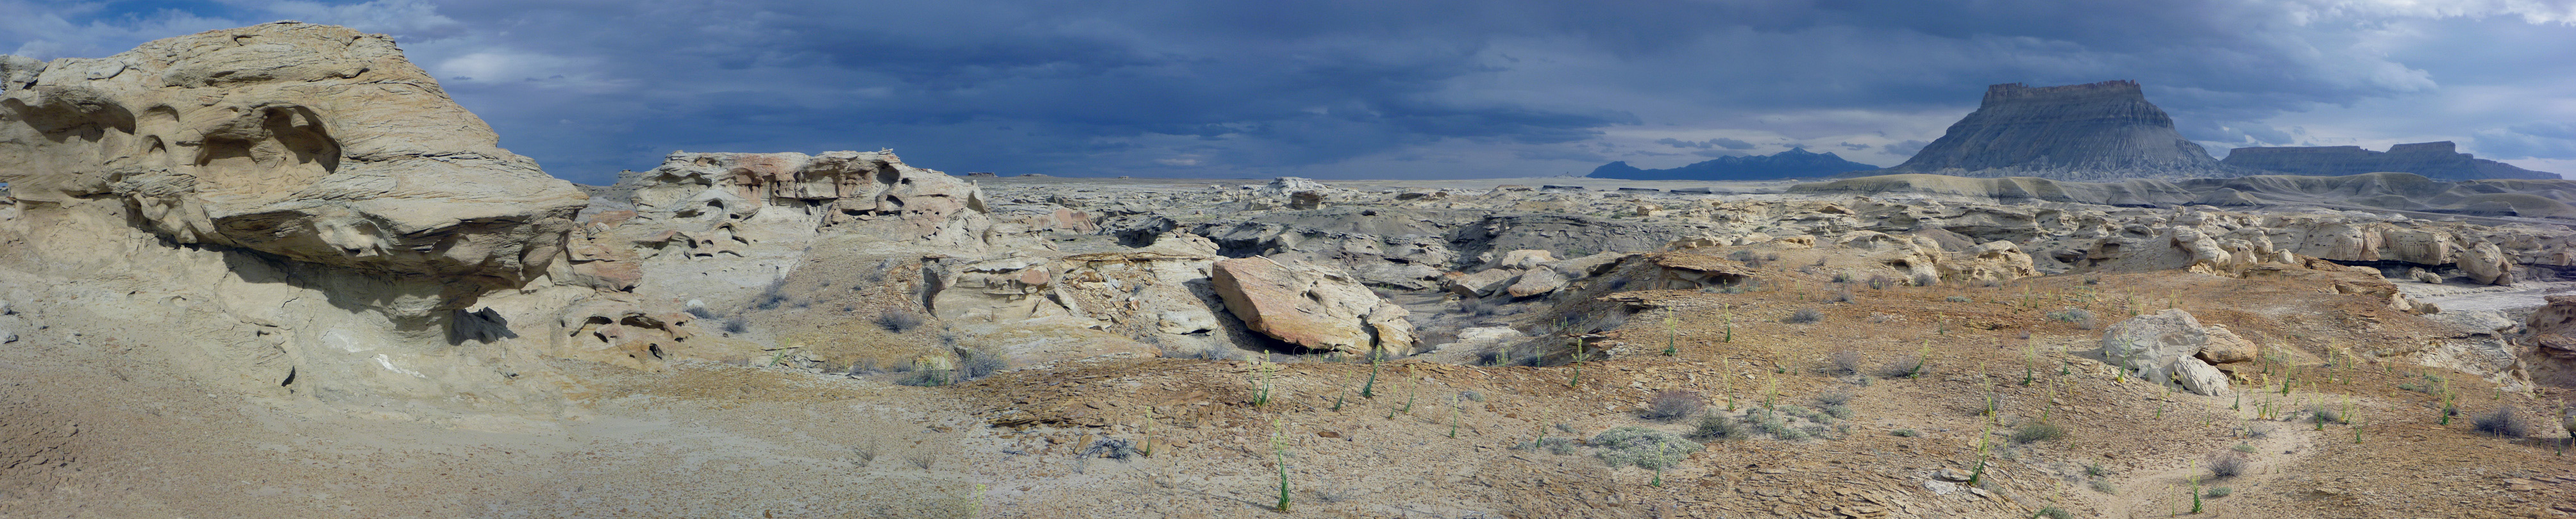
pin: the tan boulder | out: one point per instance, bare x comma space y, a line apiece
1482, 284
1308, 305
1535, 282
2225, 346
2486, 264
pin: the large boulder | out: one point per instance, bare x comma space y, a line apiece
1482, 284
2161, 347
1535, 282
1312, 306
313, 143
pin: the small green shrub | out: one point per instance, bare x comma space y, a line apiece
1805, 316
2219, 492
2053, 513
2104, 486
1957, 299
2095, 469
2243, 447
1905, 433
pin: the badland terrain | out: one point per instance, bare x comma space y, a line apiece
276, 271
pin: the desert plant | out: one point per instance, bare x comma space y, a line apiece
2229, 464
2105, 486
2324, 414
1557, 446
1672, 334
1279, 449
2081, 318
1845, 361
897, 320
1957, 299
864, 454
1674, 404
1905, 433
1716, 427
1377, 359
976, 364
1642, 447
2037, 431
1454, 413
928, 375
1984, 446
1880, 282
1263, 372
922, 459
2095, 469
1804, 316
2504, 422
2052, 512
1925, 279
1902, 367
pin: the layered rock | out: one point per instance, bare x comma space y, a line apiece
293, 211
2440, 160
1311, 306
311, 143
2095, 131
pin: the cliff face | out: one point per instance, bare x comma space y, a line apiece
1796, 162
2439, 160
2096, 131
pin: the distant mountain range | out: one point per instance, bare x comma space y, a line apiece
1795, 163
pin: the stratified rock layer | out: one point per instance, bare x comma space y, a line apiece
311, 142
2439, 160
2095, 131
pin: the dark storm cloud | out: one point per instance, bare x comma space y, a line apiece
1368, 88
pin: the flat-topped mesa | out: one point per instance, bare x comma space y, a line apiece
2095, 131
315, 143
2438, 160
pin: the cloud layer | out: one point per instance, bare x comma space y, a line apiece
1408, 88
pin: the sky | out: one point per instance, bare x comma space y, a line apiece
1409, 89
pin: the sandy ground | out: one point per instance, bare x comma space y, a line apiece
92, 429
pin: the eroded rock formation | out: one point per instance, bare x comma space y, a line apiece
285, 209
